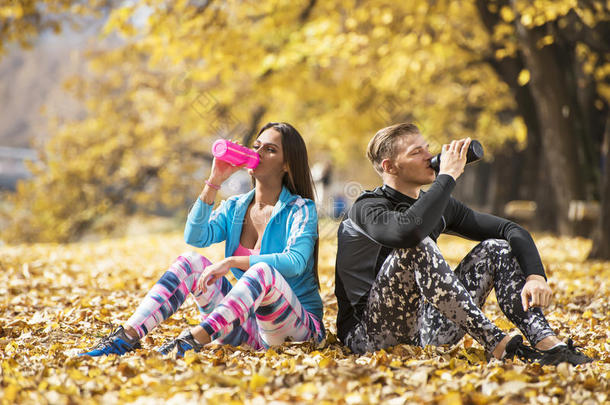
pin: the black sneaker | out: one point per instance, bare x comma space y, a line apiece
567, 353
182, 343
526, 354
116, 343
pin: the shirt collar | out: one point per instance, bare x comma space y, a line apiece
285, 197
397, 195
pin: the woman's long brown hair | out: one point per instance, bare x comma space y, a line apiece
298, 177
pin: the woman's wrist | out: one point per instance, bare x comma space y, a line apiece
215, 179
208, 194
212, 184
239, 262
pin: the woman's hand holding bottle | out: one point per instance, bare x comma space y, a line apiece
221, 171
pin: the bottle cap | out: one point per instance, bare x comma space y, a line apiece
219, 148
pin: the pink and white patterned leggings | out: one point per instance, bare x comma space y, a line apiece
260, 310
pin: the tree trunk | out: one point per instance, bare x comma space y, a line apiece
531, 162
503, 177
553, 108
601, 241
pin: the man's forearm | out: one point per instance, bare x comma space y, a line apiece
398, 228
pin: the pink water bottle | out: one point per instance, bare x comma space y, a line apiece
235, 154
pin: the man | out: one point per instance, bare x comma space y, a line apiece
394, 286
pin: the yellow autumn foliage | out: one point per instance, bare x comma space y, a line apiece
57, 300
194, 71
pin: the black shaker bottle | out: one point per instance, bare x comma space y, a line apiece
475, 153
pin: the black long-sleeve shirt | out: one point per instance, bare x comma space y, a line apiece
385, 219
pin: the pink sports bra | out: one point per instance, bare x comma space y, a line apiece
242, 251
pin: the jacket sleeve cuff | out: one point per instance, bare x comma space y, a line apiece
536, 271
253, 259
200, 212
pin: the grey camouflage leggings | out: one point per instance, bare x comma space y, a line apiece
417, 299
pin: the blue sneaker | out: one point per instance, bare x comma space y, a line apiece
116, 343
184, 342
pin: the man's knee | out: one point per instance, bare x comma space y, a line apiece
425, 249
497, 246
496, 243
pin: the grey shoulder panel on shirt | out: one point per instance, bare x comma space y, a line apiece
353, 229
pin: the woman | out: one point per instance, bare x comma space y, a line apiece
271, 248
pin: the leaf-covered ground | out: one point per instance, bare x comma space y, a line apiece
56, 300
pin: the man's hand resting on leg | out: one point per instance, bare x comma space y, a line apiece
536, 292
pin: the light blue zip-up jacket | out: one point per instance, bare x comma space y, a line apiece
288, 240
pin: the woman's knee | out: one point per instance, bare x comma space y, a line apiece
196, 261
265, 275
260, 271
191, 255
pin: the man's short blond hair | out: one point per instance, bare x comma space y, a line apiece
383, 145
